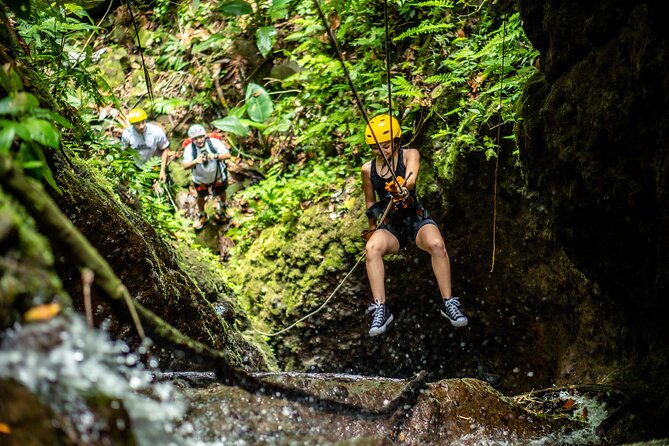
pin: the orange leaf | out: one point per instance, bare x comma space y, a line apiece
5, 429
568, 404
42, 312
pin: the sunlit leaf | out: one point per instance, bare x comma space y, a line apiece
265, 39
20, 130
231, 124
259, 103
235, 8
42, 131
279, 9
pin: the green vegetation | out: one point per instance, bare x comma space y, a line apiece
267, 75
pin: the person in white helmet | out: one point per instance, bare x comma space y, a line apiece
206, 157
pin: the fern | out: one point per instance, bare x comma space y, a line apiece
425, 28
405, 89
442, 4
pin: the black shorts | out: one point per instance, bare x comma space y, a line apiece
405, 224
217, 188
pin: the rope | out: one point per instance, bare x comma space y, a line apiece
317, 309
390, 101
354, 90
499, 130
147, 76
385, 159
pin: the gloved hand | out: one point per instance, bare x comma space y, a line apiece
367, 234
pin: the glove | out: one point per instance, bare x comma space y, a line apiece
367, 234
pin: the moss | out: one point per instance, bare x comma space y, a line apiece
285, 270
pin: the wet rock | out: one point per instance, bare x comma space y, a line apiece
452, 411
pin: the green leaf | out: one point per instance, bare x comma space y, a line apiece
259, 103
21, 131
235, 8
18, 103
265, 39
6, 139
32, 164
231, 124
42, 131
279, 9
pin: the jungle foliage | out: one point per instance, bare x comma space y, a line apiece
268, 76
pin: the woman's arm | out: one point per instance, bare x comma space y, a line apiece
412, 163
368, 189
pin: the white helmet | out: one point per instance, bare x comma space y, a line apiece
196, 130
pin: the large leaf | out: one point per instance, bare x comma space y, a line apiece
265, 39
231, 124
279, 9
235, 8
259, 104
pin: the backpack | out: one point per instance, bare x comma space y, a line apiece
187, 141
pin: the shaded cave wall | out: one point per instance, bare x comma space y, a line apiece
594, 147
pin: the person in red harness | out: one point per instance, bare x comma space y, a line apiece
403, 220
206, 156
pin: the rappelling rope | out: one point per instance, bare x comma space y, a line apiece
385, 159
390, 100
354, 90
317, 309
499, 130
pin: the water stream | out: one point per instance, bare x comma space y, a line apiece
62, 361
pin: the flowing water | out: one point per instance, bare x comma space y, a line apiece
62, 361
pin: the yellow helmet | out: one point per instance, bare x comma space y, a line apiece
381, 125
137, 115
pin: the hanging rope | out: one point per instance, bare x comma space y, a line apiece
147, 76
361, 106
385, 159
302, 319
499, 147
390, 101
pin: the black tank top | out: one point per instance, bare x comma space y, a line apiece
379, 182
